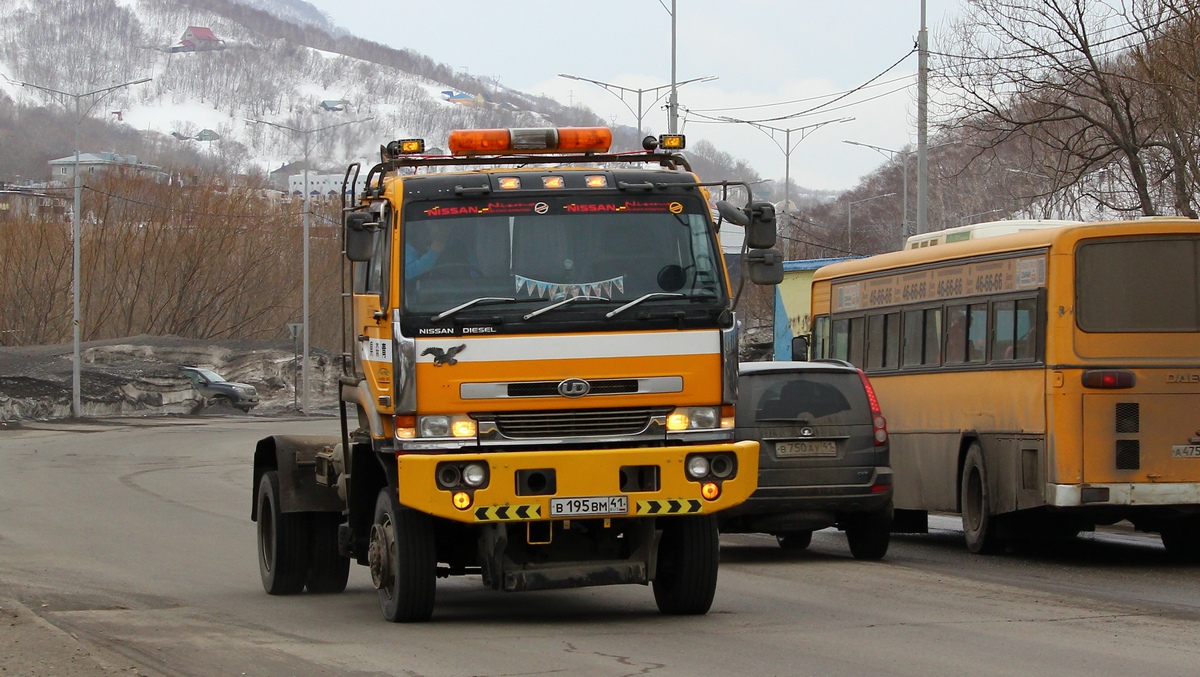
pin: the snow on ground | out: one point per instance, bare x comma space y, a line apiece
167, 116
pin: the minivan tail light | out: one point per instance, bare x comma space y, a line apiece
878, 422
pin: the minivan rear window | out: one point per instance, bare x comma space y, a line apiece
811, 396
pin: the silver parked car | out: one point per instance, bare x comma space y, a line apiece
213, 387
823, 455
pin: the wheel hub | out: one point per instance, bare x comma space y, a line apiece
379, 556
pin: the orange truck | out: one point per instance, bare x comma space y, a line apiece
542, 383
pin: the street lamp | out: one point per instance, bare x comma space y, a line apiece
306, 134
891, 155
80, 114
639, 112
849, 223
787, 146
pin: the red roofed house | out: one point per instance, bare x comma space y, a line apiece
198, 39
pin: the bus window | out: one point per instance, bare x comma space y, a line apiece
1003, 330
914, 331
933, 336
1024, 347
883, 341
857, 325
977, 332
840, 342
821, 337
956, 334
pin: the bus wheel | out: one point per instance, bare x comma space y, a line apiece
979, 524
329, 570
403, 560
1182, 540
283, 541
688, 554
795, 540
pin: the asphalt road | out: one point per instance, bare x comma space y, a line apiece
126, 548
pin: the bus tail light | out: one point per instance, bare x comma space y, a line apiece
1111, 379
878, 422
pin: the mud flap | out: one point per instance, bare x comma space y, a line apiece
294, 456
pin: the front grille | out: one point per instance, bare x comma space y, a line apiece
1128, 417
550, 388
578, 423
1129, 455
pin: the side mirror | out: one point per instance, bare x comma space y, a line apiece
760, 234
766, 266
734, 215
361, 234
800, 348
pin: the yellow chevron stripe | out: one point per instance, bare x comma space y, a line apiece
675, 506
508, 513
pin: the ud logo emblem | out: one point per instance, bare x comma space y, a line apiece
574, 387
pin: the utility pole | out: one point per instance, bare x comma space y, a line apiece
673, 104
80, 114
306, 134
787, 146
639, 112
922, 126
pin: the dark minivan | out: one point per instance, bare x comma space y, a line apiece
823, 455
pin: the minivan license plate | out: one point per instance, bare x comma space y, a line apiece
1185, 451
805, 448
589, 506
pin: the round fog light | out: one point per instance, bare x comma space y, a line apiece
697, 467
710, 490
462, 500
474, 475
448, 476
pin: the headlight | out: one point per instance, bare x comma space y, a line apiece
694, 418
434, 426
697, 467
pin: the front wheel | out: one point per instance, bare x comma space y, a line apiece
979, 523
688, 555
283, 541
403, 560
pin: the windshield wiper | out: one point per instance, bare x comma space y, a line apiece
651, 295
560, 304
473, 302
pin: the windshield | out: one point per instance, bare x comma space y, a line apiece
551, 248
1139, 285
810, 397
210, 376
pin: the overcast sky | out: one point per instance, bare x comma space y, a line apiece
761, 52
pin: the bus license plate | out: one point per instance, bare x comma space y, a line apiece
589, 506
1185, 451
805, 448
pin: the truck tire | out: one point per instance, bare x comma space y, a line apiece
328, 570
688, 555
869, 534
403, 560
284, 541
979, 523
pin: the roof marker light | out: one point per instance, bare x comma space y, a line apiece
552, 182
509, 182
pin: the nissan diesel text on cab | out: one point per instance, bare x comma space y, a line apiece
543, 388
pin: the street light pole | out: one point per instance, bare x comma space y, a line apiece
849, 223
787, 147
904, 201
619, 92
306, 134
76, 380
922, 126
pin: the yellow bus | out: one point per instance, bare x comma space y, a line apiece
1038, 383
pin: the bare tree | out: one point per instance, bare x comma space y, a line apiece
1056, 77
